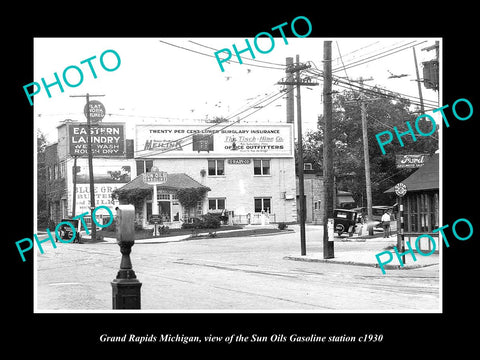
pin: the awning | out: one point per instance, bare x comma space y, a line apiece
425, 178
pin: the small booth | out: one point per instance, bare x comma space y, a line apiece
421, 204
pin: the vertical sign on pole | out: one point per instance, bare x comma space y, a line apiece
99, 110
400, 190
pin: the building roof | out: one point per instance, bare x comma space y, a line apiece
425, 178
174, 182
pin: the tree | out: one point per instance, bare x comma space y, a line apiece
383, 113
189, 197
136, 197
42, 210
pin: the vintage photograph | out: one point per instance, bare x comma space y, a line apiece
278, 173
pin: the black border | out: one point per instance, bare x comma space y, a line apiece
79, 333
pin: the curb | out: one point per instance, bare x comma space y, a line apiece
357, 263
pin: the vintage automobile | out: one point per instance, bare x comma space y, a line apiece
344, 221
66, 233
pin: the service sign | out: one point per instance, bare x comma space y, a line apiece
400, 189
184, 141
95, 109
410, 161
108, 139
155, 177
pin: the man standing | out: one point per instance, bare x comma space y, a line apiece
386, 224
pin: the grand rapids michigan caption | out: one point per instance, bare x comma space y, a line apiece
237, 338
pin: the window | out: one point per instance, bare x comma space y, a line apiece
261, 167
216, 167
144, 166
62, 168
216, 204
262, 204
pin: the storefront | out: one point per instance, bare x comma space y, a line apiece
421, 204
169, 211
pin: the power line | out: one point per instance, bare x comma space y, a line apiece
265, 62
341, 59
354, 51
377, 56
209, 55
372, 90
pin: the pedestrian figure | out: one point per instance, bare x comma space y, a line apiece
386, 224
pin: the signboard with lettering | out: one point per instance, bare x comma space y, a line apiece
410, 161
108, 139
103, 196
155, 177
239, 161
97, 111
188, 141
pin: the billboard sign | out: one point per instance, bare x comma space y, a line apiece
184, 141
105, 174
108, 139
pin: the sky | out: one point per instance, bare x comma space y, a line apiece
167, 80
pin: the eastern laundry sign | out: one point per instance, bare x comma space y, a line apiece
180, 141
107, 139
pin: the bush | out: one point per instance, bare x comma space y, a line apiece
282, 226
210, 221
207, 221
195, 224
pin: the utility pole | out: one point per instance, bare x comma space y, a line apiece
301, 186
328, 244
290, 102
422, 108
74, 174
90, 161
366, 157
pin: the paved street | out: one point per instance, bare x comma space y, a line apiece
229, 274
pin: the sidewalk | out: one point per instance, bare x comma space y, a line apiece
365, 256
248, 230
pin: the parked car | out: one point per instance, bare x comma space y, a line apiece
361, 214
379, 210
344, 221
66, 233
